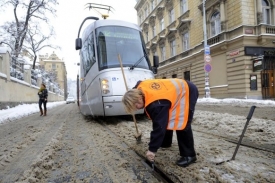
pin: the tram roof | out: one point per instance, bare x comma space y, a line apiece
108, 22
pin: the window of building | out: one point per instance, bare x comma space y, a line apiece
154, 31
146, 36
171, 15
163, 77
266, 12
163, 53
186, 75
161, 24
146, 12
215, 24
174, 76
173, 48
139, 19
152, 5
185, 41
183, 6
53, 66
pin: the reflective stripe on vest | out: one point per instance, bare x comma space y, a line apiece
179, 112
174, 90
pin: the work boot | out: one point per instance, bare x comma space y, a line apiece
41, 112
45, 112
185, 161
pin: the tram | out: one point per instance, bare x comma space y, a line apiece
107, 48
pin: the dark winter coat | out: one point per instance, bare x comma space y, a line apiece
43, 94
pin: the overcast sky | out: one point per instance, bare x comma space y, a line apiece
70, 14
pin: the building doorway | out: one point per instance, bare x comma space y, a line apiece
268, 83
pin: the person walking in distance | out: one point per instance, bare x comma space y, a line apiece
170, 104
43, 95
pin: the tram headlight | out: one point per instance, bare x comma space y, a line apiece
105, 91
104, 81
105, 86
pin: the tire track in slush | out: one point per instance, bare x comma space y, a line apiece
23, 160
90, 153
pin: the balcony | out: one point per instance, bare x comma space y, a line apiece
266, 29
216, 39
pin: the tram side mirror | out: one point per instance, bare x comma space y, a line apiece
78, 43
156, 61
154, 70
155, 64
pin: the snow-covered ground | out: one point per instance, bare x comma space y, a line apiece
213, 120
27, 109
23, 110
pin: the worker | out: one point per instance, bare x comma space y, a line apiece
170, 104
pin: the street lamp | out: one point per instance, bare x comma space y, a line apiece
207, 57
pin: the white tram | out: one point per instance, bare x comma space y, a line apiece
101, 84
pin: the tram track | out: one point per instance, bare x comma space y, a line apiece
162, 174
157, 172
245, 142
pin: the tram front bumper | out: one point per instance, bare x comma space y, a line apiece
113, 106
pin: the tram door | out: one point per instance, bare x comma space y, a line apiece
268, 85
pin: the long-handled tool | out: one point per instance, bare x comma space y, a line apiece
138, 135
249, 116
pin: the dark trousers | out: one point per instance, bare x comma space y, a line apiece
44, 102
185, 137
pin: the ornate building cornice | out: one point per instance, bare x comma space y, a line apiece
169, 4
139, 4
152, 20
160, 12
210, 4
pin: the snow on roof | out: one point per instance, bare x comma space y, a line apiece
3, 75
27, 67
4, 49
27, 60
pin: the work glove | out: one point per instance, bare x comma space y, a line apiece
150, 156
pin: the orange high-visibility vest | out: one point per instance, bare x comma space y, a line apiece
174, 90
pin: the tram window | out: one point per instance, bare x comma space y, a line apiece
126, 42
88, 54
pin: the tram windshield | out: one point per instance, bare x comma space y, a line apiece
126, 42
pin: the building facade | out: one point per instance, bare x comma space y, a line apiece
241, 36
51, 63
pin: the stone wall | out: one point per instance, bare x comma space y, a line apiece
14, 91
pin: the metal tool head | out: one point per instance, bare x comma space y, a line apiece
138, 137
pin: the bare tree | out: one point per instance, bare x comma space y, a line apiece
17, 29
36, 41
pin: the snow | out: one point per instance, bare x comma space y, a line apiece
4, 49
27, 67
237, 101
19, 81
27, 109
3, 75
23, 110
